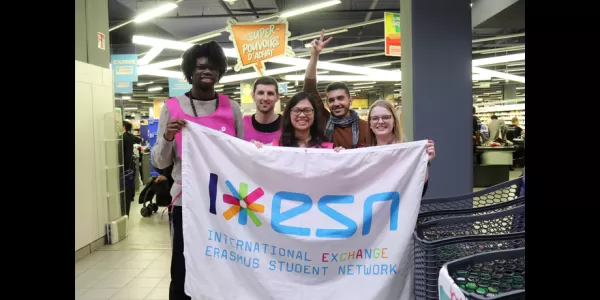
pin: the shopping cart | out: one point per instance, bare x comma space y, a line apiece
447, 237
499, 197
491, 275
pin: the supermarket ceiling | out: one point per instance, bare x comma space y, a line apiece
492, 20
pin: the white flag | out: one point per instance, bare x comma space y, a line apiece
295, 223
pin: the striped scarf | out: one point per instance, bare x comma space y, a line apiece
352, 119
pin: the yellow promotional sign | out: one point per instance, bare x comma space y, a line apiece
246, 92
393, 44
259, 42
360, 103
157, 106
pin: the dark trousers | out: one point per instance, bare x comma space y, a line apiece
176, 289
129, 194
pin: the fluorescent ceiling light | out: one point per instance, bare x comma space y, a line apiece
516, 64
398, 84
169, 44
126, 98
498, 59
363, 83
150, 41
477, 77
502, 75
308, 53
383, 64
356, 57
318, 35
152, 54
355, 78
352, 45
154, 89
155, 12
515, 70
219, 85
520, 88
322, 72
237, 93
347, 78
144, 83
161, 73
295, 12
130, 108
162, 64
367, 87
334, 67
218, 90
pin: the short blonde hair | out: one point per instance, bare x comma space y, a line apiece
397, 134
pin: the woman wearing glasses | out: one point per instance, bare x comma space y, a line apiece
301, 125
386, 130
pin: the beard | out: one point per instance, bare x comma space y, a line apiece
343, 113
264, 108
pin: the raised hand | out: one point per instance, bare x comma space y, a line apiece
318, 45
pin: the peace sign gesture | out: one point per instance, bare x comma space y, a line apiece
318, 45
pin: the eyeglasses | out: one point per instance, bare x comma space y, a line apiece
376, 119
307, 111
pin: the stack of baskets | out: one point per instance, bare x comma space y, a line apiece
451, 229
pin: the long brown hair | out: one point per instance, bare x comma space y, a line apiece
397, 134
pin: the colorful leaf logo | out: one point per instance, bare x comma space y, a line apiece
243, 204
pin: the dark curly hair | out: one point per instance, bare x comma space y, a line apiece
288, 137
211, 50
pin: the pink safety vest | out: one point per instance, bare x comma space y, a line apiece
252, 134
326, 145
221, 120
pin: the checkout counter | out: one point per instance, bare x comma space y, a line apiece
493, 165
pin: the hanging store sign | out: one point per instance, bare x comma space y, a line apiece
178, 87
124, 68
393, 43
257, 43
123, 87
283, 88
246, 92
157, 105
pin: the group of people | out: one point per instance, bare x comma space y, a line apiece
305, 123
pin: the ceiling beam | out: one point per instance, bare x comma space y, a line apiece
249, 3
226, 8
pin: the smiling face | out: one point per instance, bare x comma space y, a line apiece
339, 103
205, 75
302, 115
265, 96
381, 121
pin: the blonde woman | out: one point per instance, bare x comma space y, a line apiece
386, 129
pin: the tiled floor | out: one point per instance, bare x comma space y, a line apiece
135, 268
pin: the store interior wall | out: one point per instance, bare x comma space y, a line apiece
437, 88
91, 18
96, 146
